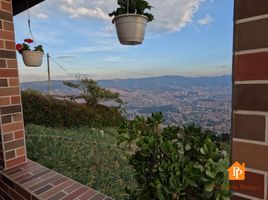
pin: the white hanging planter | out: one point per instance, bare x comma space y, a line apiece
131, 28
32, 58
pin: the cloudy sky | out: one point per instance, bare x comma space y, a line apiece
187, 37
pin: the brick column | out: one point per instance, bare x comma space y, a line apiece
250, 97
12, 146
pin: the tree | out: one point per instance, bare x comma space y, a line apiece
92, 93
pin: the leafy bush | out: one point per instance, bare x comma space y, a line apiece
174, 163
44, 110
134, 7
89, 156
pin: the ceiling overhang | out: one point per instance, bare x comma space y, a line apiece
21, 5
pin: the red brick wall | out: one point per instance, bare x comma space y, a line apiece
12, 148
250, 97
9, 190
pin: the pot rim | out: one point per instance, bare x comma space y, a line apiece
130, 14
33, 51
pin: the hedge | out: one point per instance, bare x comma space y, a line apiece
45, 110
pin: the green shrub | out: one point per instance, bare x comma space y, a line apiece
44, 110
175, 163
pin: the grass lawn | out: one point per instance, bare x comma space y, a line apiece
86, 155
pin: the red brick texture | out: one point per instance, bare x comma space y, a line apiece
251, 66
12, 149
254, 155
252, 35
247, 124
33, 181
250, 97
251, 8
252, 186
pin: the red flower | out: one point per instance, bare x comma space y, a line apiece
19, 47
28, 40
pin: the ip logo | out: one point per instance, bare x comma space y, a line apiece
237, 172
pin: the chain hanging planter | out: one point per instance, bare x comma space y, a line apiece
31, 58
130, 21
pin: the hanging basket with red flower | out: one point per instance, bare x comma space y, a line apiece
31, 58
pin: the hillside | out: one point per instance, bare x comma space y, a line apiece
205, 101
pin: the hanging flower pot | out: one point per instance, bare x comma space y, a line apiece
130, 28
31, 58
131, 20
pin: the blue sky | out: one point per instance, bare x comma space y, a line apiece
188, 37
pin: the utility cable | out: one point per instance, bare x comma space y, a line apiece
40, 76
63, 68
114, 69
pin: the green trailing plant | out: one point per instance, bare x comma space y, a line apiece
175, 163
133, 7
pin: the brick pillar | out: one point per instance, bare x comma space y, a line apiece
250, 97
12, 146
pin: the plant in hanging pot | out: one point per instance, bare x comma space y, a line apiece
130, 20
31, 58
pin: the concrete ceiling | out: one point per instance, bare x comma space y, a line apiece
21, 5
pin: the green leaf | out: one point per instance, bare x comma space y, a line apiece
218, 196
192, 183
160, 195
225, 198
187, 147
202, 151
210, 174
206, 148
209, 187
173, 182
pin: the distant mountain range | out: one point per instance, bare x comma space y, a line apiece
151, 83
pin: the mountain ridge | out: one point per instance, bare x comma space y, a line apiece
168, 82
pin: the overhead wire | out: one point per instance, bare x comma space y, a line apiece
109, 69
119, 70
63, 68
40, 76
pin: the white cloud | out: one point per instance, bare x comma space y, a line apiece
113, 59
39, 12
100, 46
42, 15
76, 12
170, 15
173, 15
66, 56
206, 20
